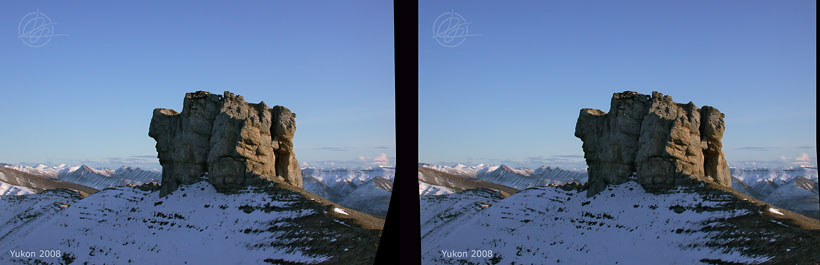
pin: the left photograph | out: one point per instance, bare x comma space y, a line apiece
195, 133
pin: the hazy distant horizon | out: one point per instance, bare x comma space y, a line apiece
775, 164
382, 161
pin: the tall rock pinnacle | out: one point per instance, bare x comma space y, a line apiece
663, 143
235, 142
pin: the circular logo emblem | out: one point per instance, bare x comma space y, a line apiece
36, 29
451, 29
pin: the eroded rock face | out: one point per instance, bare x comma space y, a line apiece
235, 142
662, 143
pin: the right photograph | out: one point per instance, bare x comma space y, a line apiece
627, 132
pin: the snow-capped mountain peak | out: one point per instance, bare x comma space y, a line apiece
504, 169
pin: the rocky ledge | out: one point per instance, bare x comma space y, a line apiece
659, 143
236, 143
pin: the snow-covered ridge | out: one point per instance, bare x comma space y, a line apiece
193, 225
96, 178
430, 189
20, 213
621, 225
13, 190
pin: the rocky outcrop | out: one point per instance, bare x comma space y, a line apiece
660, 143
234, 142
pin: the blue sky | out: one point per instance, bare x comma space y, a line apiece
87, 96
512, 93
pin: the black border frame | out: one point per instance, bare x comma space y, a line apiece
401, 237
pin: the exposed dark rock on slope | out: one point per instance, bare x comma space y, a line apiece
235, 142
663, 143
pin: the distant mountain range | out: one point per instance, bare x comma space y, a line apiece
91, 177
794, 189
367, 190
15, 182
434, 182
754, 175
518, 178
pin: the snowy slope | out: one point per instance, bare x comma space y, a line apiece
430, 189
621, 225
795, 187
369, 197
95, 178
313, 185
21, 213
8, 189
193, 225
744, 188
439, 212
12, 190
799, 194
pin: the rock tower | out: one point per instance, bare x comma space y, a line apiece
661, 143
236, 143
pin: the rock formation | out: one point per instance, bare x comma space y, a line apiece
235, 142
661, 143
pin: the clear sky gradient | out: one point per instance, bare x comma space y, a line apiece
88, 97
512, 93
